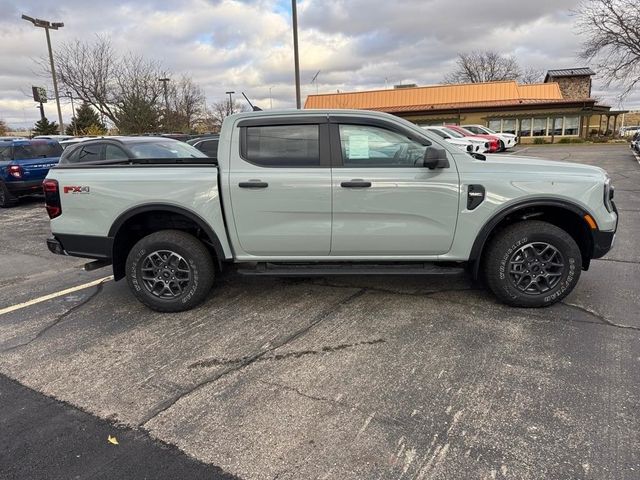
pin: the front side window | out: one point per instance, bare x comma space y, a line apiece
525, 127
283, 146
164, 149
539, 127
368, 146
111, 152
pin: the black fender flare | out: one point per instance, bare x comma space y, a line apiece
484, 233
163, 207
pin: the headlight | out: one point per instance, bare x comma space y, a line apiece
608, 194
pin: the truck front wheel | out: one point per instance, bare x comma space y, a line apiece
532, 264
170, 271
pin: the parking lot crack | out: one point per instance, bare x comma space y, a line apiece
57, 320
601, 318
214, 362
249, 359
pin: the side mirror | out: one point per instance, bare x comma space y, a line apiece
435, 157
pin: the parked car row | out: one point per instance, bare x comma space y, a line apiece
635, 142
475, 138
24, 163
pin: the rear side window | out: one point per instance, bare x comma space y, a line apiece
82, 153
283, 146
209, 148
37, 150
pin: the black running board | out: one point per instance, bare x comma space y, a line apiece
350, 268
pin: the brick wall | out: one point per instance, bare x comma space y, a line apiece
574, 87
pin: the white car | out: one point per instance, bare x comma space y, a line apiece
477, 145
508, 140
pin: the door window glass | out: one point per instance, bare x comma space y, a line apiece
283, 146
112, 152
367, 146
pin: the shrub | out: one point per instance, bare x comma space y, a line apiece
564, 140
539, 141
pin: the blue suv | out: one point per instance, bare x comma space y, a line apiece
23, 166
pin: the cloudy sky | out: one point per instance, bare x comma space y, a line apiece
246, 45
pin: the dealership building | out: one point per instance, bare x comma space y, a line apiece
560, 107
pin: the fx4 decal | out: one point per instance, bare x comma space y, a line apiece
75, 189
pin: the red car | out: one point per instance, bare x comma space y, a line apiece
494, 142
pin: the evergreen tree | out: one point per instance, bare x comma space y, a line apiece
44, 127
86, 120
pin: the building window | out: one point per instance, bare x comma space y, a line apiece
525, 127
571, 125
557, 126
539, 127
509, 125
495, 125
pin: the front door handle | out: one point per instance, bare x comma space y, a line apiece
253, 184
356, 184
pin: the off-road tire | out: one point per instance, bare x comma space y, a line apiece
6, 198
188, 252
506, 254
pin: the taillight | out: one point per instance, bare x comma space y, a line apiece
15, 171
52, 198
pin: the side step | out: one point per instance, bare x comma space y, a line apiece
349, 268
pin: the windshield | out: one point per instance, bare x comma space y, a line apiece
453, 133
37, 150
165, 149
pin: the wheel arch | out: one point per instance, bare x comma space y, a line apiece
562, 213
143, 220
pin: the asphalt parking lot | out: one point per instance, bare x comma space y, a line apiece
340, 378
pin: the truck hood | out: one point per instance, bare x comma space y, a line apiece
514, 163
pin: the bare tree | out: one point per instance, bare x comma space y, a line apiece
186, 105
219, 111
531, 75
611, 29
483, 66
3, 127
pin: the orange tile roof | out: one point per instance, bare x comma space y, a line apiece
439, 96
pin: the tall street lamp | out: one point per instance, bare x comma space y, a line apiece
230, 109
54, 26
164, 82
294, 16
73, 116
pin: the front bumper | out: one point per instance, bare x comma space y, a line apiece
603, 241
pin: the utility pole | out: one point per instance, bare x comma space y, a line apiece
294, 15
270, 98
164, 82
230, 105
55, 26
73, 117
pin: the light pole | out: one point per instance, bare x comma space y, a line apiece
294, 16
73, 115
230, 109
164, 82
270, 99
55, 26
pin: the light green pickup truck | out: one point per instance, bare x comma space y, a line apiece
333, 192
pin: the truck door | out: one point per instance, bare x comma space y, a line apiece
280, 185
385, 203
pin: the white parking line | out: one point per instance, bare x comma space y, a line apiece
44, 298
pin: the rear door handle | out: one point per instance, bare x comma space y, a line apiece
356, 184
253, 184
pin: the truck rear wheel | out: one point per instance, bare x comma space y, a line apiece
532, 264
170, 271
6, 198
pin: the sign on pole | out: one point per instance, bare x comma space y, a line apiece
39, 94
